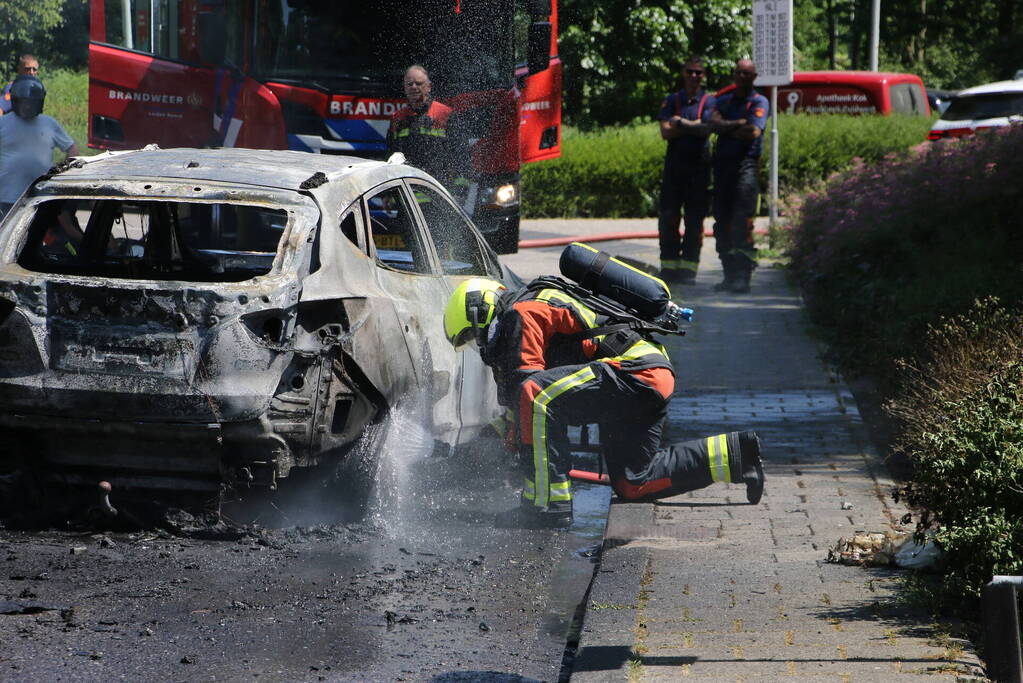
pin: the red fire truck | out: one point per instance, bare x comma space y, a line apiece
325, 77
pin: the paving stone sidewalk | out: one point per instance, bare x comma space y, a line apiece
707, 587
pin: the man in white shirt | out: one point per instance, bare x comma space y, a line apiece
27, 141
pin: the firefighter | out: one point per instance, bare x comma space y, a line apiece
740, 119
552, 375
420, 130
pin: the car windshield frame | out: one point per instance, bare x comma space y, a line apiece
367, 46
984, 106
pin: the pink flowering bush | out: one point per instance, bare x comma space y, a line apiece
888, 248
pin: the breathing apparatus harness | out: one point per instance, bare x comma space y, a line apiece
623, 326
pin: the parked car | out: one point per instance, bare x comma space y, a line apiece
991, 105
176, 321
851, 92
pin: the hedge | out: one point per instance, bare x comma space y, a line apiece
892, 246
616, 172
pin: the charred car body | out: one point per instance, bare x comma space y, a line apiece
175, 321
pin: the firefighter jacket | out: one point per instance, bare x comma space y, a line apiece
422, 136
540, 329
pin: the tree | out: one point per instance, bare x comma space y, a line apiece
622, 56
23, 22
949, 43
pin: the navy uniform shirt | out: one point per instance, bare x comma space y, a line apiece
754, 109
687, 148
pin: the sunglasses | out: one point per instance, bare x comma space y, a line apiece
694, 72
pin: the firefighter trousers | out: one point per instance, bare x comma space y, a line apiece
630, 415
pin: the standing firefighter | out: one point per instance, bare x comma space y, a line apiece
420, 130
740, 120
684, 121
558, 362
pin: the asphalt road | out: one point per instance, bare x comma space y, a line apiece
426, 589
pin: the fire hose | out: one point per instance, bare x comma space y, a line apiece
602, 237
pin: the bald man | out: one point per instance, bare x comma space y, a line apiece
420, 129
27, 65
739, 119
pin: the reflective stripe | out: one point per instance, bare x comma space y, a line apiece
749, 254
561, 491
540, 407
690, 265
717, 458
434, 132
639, 350
528, 490
671, 264
586, 313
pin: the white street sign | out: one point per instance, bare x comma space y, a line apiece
772, 41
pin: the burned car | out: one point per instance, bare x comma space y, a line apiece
177, 321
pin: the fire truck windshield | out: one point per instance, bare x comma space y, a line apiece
465, 44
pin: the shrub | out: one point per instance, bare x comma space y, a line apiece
611, 173
960, 412
887, 249
616, 172
812, 147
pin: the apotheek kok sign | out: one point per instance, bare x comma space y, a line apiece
772, 41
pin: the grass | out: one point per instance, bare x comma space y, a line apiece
67, 100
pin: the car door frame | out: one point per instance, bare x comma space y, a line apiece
475, 411
437, 365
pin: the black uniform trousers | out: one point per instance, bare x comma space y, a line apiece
736, 186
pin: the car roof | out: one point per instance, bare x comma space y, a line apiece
996, 87
279, 169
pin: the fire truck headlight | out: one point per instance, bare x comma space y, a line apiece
501, 196
507, 194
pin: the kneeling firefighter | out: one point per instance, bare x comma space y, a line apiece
561, 357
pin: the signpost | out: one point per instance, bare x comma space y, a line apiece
772, 53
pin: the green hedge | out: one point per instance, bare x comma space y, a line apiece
616, 172
890, 247
611, 173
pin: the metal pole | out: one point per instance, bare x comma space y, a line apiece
1001, 629
774, 159
875, 31
128, 24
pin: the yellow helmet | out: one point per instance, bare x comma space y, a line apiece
470, 309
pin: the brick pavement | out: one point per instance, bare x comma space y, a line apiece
708, 587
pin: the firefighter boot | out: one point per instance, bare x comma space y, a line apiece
752, 471
728, 264
745, 264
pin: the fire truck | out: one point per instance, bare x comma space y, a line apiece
325, 77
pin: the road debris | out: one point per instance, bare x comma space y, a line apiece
885, 549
